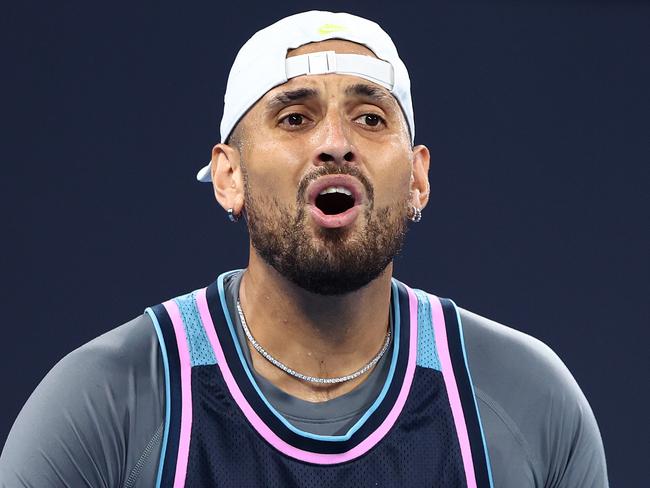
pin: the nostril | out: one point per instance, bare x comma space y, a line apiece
331, 158
325, 158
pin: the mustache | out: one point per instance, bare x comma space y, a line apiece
330, 168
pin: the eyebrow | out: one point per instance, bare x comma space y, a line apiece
364, 90
370, 92
291, 96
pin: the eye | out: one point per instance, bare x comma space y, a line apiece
292, 119
370, 120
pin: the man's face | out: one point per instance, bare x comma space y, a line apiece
327, 165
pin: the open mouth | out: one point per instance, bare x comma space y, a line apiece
334, 200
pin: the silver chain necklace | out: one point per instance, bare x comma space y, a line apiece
303, 377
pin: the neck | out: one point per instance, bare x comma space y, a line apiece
317, 335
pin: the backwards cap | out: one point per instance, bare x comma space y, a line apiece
262, 63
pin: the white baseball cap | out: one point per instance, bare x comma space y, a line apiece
262, 63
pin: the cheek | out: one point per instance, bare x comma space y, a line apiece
392, 178
273, 170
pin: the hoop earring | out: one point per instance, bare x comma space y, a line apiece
231, 215
417, 215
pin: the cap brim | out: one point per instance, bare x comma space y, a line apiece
204, 175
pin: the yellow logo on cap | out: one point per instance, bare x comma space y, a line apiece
325, 29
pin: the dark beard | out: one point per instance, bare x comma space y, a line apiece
344, 260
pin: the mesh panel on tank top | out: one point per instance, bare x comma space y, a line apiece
421, 449
200, 351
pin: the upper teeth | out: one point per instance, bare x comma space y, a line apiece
336, 189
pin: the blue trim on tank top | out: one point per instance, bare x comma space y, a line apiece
291, 427
469, 376
163, 351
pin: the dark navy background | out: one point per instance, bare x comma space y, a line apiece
536, 114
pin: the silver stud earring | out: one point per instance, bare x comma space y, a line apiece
417, 214
231, 215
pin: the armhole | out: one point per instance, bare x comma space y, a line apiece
183, 345
465, 389
165, 360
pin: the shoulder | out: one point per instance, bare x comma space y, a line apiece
127, 347
531, 403
93, 413
109, 365
122, 362
496, 349
518, 375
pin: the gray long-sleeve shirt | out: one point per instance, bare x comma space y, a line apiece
96, 418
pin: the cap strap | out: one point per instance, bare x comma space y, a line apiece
372, 69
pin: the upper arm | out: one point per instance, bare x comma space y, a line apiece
576, 452
540, 409
82, 425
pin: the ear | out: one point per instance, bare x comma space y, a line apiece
420, 177
227, 177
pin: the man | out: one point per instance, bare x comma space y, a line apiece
314, 366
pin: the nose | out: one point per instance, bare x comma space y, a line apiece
335, 144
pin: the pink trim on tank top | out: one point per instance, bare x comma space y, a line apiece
186, 393
270, 436
440, 334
